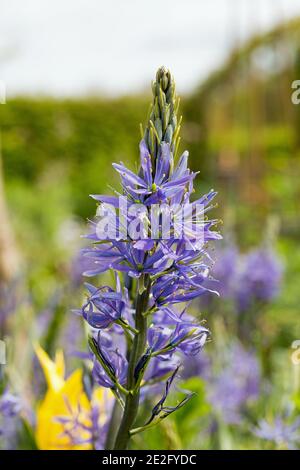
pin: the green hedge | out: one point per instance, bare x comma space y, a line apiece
81, 137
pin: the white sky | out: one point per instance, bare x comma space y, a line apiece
74, 47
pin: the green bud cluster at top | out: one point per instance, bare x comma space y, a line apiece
163, 125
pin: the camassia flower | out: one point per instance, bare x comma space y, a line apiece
152, 188
233, 380
248, 281
104, 306
236, 383
65, 418
284, 435
156, 237
187, 337
116, 363
260, 278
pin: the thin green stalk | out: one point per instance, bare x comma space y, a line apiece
56, 323
118, 407
115, 419
138, 348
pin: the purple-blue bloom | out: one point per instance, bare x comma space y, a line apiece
159, 368
187, 337
104, 306
10, 405
90, 430
245, 279
197, 366
155, 187
225, 270
117, 365
280, 432
166, 267
235, 384
172, 288
259, 278
10, 409
232, 377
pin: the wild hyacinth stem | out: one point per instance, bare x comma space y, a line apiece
113, 425
162, 126
138, 348
116, 415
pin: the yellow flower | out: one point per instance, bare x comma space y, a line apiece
67, 399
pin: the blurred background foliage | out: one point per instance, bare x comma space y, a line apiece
242, 132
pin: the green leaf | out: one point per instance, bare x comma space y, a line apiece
26, 437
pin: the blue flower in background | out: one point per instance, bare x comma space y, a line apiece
10, 405
235, 383
10, 409
233, 380
279, 432
259, 279
244, 279
225, 270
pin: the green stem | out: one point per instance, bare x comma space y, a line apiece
126, 326
115, 419
138, 348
